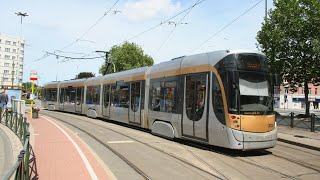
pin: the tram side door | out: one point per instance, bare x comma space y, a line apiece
61, 98
106, 101
135, 103
79, 99
195, 107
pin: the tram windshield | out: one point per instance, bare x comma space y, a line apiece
255, 92
249, 87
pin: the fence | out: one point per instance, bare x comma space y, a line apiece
17, 122
300, 121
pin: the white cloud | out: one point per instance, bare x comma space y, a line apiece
147, 9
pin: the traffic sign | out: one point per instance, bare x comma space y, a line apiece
33, 75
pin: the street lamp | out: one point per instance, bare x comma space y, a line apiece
107, 61
22, 15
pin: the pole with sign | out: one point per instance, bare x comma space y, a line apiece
33, 77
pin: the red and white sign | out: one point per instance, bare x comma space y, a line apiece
33, 75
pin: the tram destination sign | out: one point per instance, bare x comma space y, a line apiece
33, 75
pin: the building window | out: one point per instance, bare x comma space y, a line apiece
21, 66
6, 64
14, 43
13, 57
316, 91
309, 90
14, 50
8, 42
286, 90
21, 59
22, 44
5, 79
7, 57
0, 40
20, 73
21, 51
302, 90
13, 72
7, 49
6, 72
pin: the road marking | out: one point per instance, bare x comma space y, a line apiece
83, 157
118, 142
36, 134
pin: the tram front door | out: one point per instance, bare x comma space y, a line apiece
195, 107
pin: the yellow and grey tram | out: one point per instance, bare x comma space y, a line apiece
222, 98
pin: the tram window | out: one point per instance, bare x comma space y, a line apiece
61, 95
53, 94
123, 95
79, 95
106, 95
73, 95
217, 102
164, 97
195, 96
67, 95
93, 94
115, 96
135, 96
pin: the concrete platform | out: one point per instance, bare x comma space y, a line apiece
60, 154
299, 137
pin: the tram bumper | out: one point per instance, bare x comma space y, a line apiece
251, 141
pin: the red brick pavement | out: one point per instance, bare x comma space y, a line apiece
57, 157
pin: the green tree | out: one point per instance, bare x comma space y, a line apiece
290, 39
85, 75
124, 57
26, 86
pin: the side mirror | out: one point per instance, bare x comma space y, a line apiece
276, 79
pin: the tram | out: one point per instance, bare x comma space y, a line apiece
222, 98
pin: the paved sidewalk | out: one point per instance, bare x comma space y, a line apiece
300, 137
60, 154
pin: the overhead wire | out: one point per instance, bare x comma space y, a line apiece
86, 32
167, 20
229, 24
176, 26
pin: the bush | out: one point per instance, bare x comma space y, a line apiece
28, 101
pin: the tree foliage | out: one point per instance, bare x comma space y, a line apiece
85, 75
126, 56
291, 40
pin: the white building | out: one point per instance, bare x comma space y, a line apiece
11, 61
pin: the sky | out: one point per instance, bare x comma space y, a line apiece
69, 28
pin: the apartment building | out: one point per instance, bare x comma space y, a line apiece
11, 61
287, 99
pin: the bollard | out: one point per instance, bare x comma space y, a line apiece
292, 120
313, 119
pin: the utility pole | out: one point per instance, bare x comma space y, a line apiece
107, 61
266, 11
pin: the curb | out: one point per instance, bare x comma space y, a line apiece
299, 144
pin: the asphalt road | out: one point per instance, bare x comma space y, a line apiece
160, 158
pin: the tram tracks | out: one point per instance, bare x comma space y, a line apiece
139, 171
247, 160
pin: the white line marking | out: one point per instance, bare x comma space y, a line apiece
36, 134
83, 157
118, 142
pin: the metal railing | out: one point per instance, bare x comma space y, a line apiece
20, 126
312, 122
